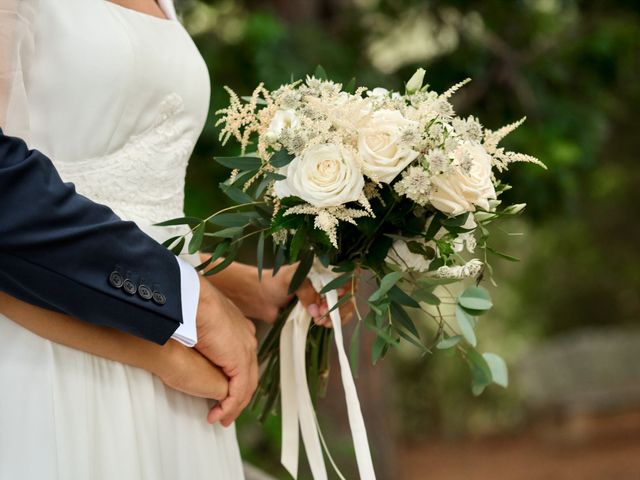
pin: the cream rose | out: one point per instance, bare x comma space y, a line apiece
324, 176
467, 184
281, 120
380, 148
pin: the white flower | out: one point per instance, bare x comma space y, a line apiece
470, 269
466, 240
400, 255
378, 92
415, 82
468, 183
281, 120
415, 185
380, 145
324, 176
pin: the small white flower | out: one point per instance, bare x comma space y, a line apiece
281, 120
324, 176
415, 82
415, 185
378, 92
470, 269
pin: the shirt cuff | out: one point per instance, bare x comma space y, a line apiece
190, 292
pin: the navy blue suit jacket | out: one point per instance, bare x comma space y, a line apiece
63, 252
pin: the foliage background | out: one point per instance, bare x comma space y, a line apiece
572, 67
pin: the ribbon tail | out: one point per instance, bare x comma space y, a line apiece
288, 400
356, 421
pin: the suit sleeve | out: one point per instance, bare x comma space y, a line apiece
61, 251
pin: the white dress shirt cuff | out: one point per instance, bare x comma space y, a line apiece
190, 292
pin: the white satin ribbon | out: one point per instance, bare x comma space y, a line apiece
297, 407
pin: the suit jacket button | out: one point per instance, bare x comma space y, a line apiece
145, 292
159, 298
129, 287
116, 280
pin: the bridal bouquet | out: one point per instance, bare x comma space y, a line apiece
345, 180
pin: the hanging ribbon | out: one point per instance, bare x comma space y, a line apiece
297, 407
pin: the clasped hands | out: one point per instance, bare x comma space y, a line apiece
223, 365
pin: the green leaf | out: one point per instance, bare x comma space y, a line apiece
434, 227
279, 259
260, 255
449, 342
177, 248
220, 249
351, 86
191, 221
196, 239
170, 241
475, 298
238, 219
204, 264
301, 272
228, 232
320, 73
344, 299
425, 295
241, 163
354, 349
466, 324
399, 296
480, 371
415, 342
378, 349
386, 283
236, 194
281, 158
274, 176
503, 255
458, 221
498, 367
296, 244
337, 282
400, 315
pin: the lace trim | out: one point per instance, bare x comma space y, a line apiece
144, 179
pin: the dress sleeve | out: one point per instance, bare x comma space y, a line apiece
17, 39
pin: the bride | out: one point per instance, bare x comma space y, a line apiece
117, 97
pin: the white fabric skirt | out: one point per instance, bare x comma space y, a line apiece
69, 415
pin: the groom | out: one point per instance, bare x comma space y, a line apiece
63, 252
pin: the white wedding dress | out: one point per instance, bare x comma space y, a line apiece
116, 98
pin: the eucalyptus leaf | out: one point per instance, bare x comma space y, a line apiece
236, 194
475, 298
498, 367
480, 371
169, 241
344, 299
398, 295
402, 318
260, 255
466, 324
229, 232
236, 219
301, 272
448, 342
281, 158
354, 349
337, 282
191, 221
196, 239
386, 283
279, 259
241, 163
177, 248
296, 244
427, 296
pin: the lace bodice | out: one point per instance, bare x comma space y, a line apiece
117, 99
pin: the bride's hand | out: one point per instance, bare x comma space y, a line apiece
186, 370
275, 292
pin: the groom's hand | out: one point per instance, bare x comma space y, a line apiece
228, 339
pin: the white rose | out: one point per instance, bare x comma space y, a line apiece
324, 176
380, 147
281, 120
467, 184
